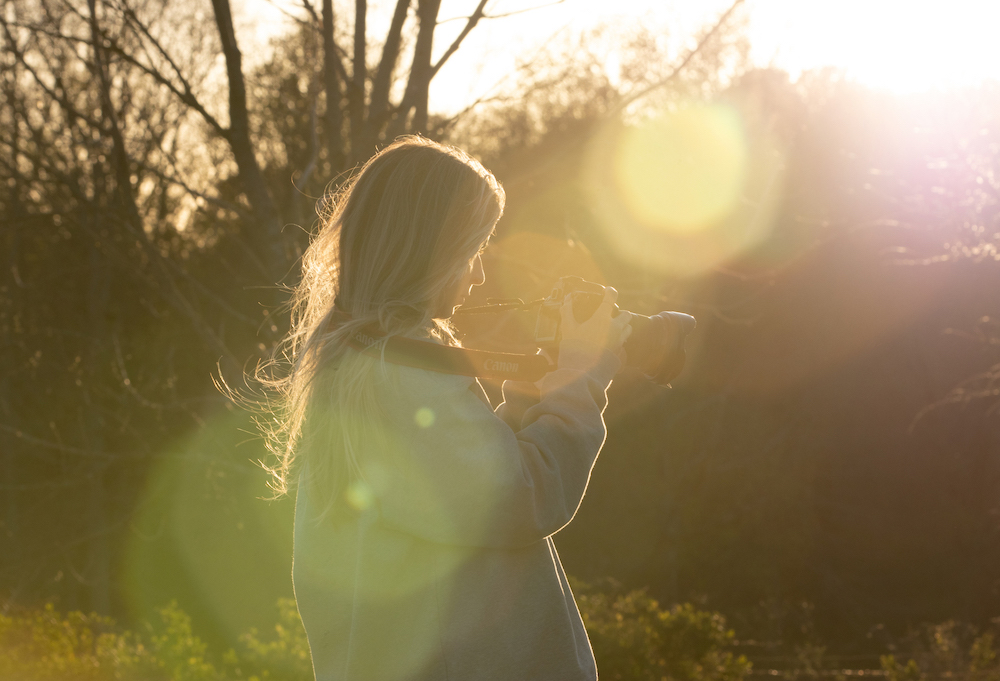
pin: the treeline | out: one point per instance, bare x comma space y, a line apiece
634, 639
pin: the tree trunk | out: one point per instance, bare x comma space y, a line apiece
98, 518
119, 157
267, 235
356, 95
378, 109
333, 119
421, 72
98, 569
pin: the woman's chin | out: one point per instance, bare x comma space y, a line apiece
446, 313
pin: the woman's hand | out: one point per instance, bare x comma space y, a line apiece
604, 330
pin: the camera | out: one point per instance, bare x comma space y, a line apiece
656, 346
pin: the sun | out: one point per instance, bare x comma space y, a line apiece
897, 45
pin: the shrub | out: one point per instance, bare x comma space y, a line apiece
48, 646
176, 652
947, 650
286, 657
635, 639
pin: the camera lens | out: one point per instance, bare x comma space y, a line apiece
656, 346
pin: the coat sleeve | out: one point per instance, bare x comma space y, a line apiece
518, 397
452, 471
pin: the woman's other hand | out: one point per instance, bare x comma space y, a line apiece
606, 329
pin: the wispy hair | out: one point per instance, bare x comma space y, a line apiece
391, 243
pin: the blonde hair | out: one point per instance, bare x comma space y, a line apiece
394, 240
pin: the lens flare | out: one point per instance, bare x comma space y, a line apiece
203, 536
685, 192
359, 495
683, 171
424, 417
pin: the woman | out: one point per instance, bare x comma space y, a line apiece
423, 523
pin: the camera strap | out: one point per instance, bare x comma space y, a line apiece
446, 359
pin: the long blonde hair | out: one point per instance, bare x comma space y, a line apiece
394, 240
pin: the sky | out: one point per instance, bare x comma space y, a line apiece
899, 45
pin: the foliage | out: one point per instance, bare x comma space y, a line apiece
634, 638
285, 657
176, 651
46, 645
946, 650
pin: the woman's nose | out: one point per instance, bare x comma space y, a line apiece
478, 273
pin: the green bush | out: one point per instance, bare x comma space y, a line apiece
48, 646
946, 651
45, 645
634, 639
284, 657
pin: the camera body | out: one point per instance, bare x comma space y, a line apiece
656, 346
587, 296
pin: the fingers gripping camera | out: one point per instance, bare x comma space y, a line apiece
655, 347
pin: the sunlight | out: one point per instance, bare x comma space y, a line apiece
888, 44
885, 44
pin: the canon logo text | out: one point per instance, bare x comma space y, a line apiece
497, 365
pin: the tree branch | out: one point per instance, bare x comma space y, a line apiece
312, 12
522, 11
469, 25
681, 66
20, 57
133, 20
506, 14
186, 96
298, 20
313, 137
47, 444
226, 205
